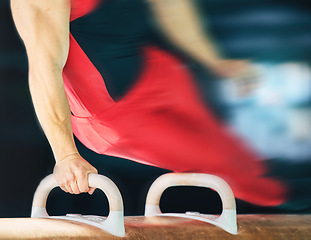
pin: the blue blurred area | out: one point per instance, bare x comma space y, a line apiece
274, 119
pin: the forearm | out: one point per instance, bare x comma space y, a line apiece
44, 28
52, 109
179, 21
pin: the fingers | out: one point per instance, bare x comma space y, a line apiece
64, 189
74, 187
82, 183
247, 83
231, 68
69, 187
77, 184
91, 190
72, 175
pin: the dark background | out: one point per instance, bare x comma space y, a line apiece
26, 156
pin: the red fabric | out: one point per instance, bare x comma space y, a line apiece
81, 7
162, 122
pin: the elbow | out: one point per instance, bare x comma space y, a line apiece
45, 68
45, 62
42, 75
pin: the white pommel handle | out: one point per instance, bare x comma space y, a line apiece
115, 219
227, 219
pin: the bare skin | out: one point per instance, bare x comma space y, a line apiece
179, 21
44, 27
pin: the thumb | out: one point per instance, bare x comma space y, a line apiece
91, 190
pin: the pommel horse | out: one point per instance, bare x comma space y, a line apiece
155, 224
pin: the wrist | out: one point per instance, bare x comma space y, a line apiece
67, 157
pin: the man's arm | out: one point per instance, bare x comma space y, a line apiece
44, 27
179, 21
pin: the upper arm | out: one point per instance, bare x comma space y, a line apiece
44, 27
178, 19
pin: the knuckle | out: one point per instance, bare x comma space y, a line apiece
77, 191
67, 182
80, 173
76, 166
62, 183
84, 189
63, 188
93, 170
83, 185
70, 177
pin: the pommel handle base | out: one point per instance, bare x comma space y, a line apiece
227, 220
114, 223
